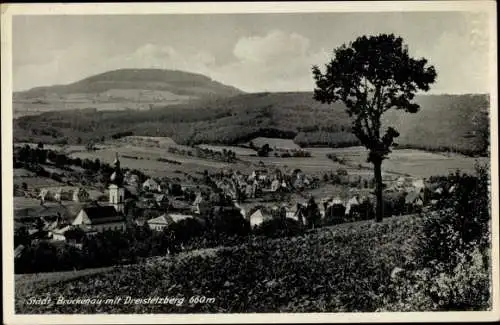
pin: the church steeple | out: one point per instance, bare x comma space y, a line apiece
117, 176
116, 190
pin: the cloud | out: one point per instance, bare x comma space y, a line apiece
277, 61
272, 47
72, 64
461, 60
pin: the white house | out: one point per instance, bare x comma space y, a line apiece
414, 199
58, 234
419, 184
160, 223
257, 218
46, 195
176, 217
62, 195
80, 195
151, 185
353, 202
275, 185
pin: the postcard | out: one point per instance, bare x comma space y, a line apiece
297, 162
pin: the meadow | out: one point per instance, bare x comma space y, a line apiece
327, 267
410, 162
418, 163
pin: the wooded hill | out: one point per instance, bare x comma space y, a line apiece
445, 122
128, 85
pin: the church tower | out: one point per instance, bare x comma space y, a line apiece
116, 189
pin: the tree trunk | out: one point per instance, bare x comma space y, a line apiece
379, 212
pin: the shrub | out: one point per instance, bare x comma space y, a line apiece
277, 227
453, 271
462, 224
465, 287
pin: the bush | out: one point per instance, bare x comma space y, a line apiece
277, 228
464, 288
453, 271
462, 224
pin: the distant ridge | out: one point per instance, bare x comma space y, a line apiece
445, 122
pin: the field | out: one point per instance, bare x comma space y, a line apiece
29, 108
417, 163
317, 272
142, 153
34, 182
147, 160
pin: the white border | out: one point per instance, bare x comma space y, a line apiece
8, 10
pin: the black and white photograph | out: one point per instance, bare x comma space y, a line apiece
274, 160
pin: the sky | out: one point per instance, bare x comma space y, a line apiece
253, 52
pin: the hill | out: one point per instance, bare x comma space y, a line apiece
319, 282
125, 86
445, 122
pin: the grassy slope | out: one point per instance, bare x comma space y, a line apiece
444, 122
331, 269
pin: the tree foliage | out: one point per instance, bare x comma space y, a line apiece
371, 76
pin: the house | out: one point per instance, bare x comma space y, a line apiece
419, 185
400, 182
179, 205
62, 195
256, 218
353, 203
179, 217
414, 199
80, 195
58, 234
262, 177
151, 185
201, 205
292, 215
100, 218
260, 214
249, 193
46, 195
147, 204
252, 176
160, 222
161, 200
131, 179
298, 183
49, 226
275, 185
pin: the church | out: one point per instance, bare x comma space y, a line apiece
98, 218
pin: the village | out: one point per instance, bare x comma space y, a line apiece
261, 195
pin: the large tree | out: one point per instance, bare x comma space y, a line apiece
371, 76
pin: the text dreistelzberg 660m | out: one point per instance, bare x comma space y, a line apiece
123, 300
